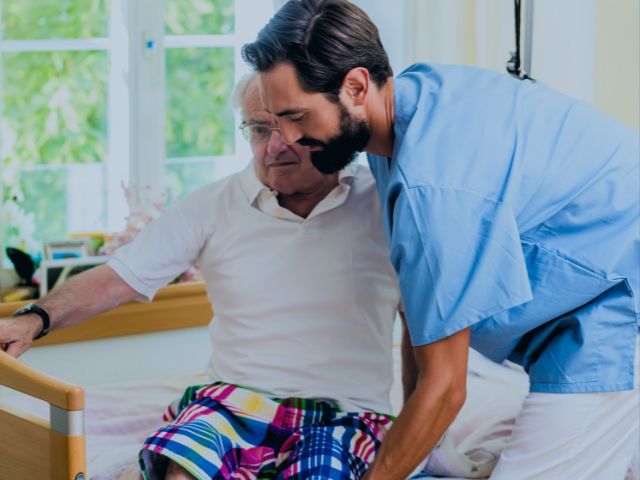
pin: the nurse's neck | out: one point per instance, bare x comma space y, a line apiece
380, 113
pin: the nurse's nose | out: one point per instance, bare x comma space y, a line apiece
276, 144
290, 133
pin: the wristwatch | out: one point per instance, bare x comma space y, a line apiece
41, 312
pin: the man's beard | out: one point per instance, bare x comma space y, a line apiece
342, 149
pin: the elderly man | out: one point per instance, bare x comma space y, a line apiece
513, 219
305, 299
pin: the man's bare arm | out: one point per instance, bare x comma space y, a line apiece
438, 397
82, 297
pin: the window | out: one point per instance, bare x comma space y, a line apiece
97, 93
54, 70
200, 65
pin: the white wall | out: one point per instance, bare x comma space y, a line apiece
617, 59
589, 49
390, 18
564, 41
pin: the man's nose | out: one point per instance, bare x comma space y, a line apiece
276, 144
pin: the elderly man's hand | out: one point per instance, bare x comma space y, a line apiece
17, 334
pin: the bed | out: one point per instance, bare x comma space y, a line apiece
50, 429
42, 419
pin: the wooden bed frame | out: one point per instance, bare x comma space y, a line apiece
34, 449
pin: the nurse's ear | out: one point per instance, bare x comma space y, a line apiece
355, 87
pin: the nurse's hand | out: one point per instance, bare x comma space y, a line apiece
438, 396
17, 334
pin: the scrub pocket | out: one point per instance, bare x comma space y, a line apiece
588, 345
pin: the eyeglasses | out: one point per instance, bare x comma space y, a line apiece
257, 132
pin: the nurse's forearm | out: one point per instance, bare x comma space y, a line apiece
409, 365
423, 420
439, 394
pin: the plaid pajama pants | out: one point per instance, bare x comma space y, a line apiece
223, 431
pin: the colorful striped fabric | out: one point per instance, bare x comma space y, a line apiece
223, 431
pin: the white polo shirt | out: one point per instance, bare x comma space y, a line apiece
303, 307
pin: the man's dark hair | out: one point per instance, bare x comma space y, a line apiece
323, 39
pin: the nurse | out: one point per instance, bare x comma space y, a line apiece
512, 213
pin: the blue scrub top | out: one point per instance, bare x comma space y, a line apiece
515, 210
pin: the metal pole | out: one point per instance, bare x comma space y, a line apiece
528, 38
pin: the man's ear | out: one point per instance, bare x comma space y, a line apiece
355, 86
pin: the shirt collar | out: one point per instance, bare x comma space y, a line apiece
252, 187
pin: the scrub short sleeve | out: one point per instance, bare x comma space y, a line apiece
458, 257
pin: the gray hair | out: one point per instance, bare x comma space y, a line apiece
240, 90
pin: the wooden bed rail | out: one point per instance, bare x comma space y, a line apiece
182, 305
24, 379
33, 448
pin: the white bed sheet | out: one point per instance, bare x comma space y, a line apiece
119, 417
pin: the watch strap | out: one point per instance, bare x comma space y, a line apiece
41, 312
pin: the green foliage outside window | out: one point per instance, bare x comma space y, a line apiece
199, 17
54, 19
199, 117
182, 178
54, 104
47, 201
55, 107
